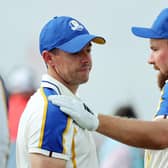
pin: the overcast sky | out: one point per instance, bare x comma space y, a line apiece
120, 74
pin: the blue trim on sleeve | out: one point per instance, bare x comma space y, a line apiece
163, 110
55, 124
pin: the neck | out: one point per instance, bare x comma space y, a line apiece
72, 88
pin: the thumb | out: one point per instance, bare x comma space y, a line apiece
57, 100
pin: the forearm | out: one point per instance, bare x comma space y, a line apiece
145, 134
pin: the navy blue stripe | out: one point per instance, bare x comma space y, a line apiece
53, 85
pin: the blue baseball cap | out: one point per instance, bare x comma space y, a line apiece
159, 29
67, 34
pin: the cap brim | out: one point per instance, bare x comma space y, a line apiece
145, 33
79, 42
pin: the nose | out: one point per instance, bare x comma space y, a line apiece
151, 59
85, 56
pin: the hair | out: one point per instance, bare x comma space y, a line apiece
161, 79
126, 111
54, 51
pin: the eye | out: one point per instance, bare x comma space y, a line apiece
89, 50
154, 48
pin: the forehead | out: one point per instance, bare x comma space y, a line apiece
160, 42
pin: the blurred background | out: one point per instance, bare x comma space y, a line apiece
120, 73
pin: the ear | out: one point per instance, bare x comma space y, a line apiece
47, 57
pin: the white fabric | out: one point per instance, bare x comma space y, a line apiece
78, 141
156, 158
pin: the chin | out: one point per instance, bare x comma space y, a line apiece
84, 81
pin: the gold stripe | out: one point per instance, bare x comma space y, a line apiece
65, 133
44, 117
73, 150
147, 160
162, 92
160, 101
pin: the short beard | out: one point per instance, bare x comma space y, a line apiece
161, 79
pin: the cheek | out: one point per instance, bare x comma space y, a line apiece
162, 62
163, 58
64, 69
90, 59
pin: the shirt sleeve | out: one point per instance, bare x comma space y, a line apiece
52, 134
162, 111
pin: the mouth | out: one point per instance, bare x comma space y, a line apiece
85, 68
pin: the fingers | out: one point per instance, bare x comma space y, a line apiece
60, 100
67, 111
55, 98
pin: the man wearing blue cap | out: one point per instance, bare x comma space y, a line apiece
48, 138
151, 135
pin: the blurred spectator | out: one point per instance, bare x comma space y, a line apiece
4, 138
114, 154
21, 85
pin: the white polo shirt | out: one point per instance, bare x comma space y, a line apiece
44, 129
159, 158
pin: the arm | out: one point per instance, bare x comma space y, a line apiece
145, 134
49, 144
41, 161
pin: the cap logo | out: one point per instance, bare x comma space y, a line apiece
74, 25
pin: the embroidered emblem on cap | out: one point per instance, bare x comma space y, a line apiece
75, 25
